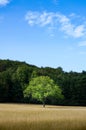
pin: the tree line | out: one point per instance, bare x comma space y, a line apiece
16, 77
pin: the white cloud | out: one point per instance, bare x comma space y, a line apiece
41, 19
71, 29
4, 2
80, 31
56, 20
82, 43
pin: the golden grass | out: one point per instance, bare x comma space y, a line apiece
34, 117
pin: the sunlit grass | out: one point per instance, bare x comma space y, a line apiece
34, 117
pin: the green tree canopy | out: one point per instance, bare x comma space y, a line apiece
41, 87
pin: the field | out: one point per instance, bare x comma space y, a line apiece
34, 117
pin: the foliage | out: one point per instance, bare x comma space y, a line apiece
15, 77
41, 87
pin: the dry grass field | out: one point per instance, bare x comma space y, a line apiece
34, 117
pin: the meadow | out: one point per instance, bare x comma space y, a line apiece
35, 117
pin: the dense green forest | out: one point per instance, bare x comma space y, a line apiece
15, 77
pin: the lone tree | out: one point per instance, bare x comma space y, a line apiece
41, 87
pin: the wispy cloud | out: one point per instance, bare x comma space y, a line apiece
55, 20
82, 43
69, 28
82, 53
55, 2
4, 2
41, 19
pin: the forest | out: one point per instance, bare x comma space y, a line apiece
15, 77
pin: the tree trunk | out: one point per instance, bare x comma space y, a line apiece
44, 104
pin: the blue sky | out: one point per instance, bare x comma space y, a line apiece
44, 33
